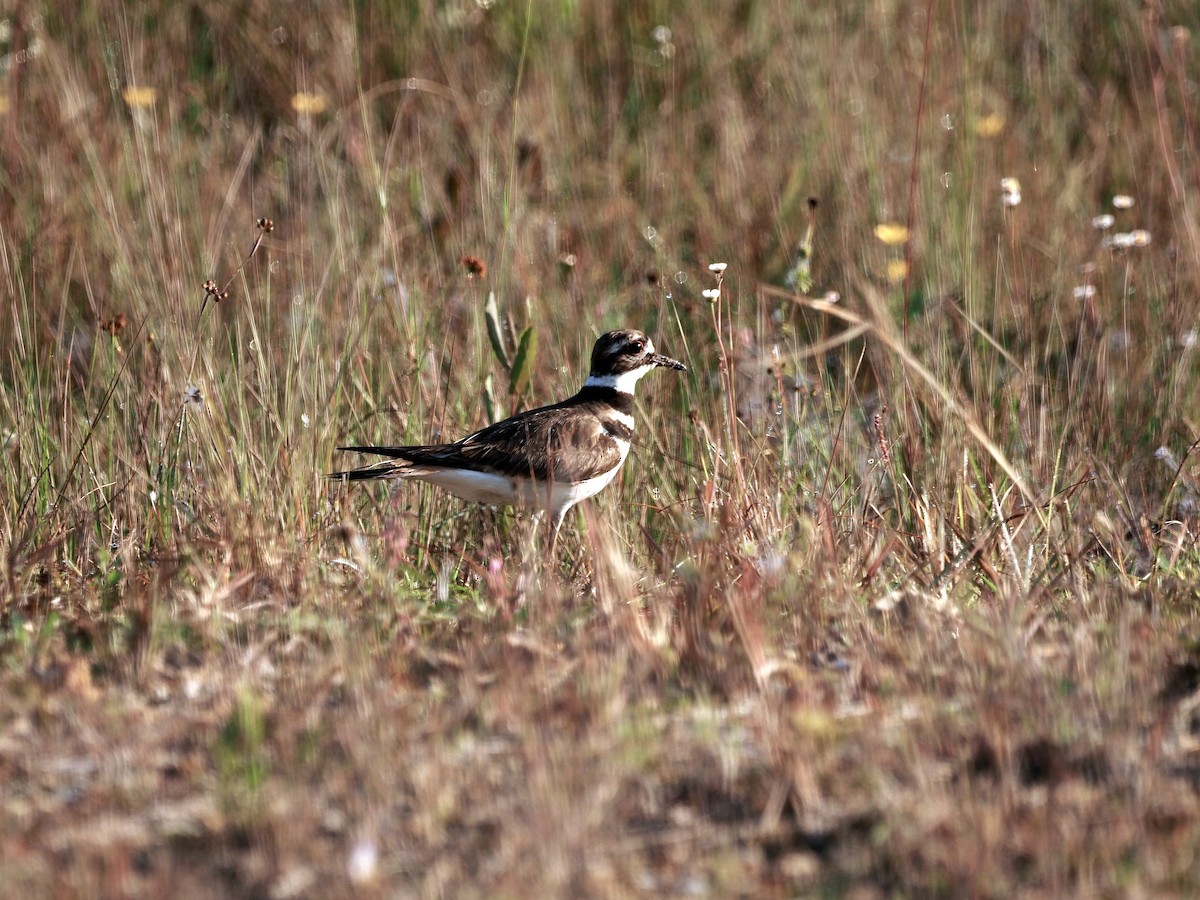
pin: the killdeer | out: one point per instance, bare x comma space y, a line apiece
549, 458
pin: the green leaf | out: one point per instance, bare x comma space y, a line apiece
523, 362
491, 314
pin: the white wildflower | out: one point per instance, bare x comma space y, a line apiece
363, 861
1011, 191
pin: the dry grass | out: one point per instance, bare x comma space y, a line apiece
896, 597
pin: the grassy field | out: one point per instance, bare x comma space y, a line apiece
897, 596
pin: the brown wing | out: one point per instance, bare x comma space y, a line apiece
526, 444
545, 445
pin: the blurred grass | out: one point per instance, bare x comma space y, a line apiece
816, 639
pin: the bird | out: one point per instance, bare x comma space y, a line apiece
546, 459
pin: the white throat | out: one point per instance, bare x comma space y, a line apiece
623, 383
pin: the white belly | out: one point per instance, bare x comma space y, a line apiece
486, 487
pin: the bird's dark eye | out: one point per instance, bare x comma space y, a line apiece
634, 347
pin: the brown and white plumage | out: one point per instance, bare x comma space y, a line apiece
549, 458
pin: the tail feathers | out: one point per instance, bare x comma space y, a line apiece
380, 470
385, 470
393, 452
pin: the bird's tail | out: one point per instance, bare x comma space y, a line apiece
384, 470
380, 470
